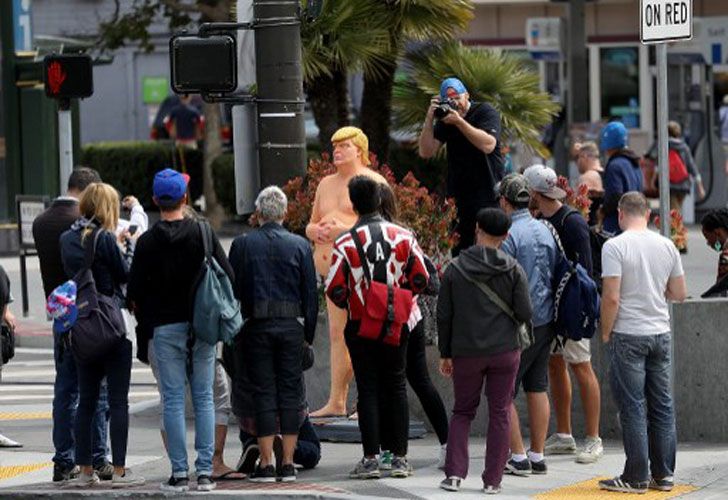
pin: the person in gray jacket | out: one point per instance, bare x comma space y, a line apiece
478, 343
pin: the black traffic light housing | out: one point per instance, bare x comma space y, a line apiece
68, 76
203, 64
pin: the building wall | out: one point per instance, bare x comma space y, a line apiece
115, 112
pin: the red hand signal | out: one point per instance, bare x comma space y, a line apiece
56, 77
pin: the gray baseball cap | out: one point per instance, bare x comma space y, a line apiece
543, 180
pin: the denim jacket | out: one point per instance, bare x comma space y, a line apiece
532, 245
275, 276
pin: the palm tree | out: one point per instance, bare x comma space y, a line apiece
347, 36
491, 76
406, 21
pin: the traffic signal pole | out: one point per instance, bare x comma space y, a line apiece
65, 143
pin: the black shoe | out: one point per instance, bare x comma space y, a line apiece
621, 486
522, 468
666, 484
205, 483
287, 473
248, 458
538, 467
61, 473
176, 484
265, 474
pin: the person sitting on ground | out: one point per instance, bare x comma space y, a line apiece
473, 355
417, 372
573, 232
9, 319
99, 208
275, 280
164, 275
392, 256
715, 230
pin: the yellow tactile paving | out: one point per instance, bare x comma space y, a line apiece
16, 470
27, 415
589, 490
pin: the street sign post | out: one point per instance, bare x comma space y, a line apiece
663, 21
28, 207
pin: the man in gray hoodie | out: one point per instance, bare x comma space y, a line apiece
479, 342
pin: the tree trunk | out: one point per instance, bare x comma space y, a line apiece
328, 97
213, 148
376, 110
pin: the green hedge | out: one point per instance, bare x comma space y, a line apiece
130, 166
223, 173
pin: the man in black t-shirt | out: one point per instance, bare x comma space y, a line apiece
471, 132
574, 235
7, 317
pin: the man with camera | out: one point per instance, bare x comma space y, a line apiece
471, 131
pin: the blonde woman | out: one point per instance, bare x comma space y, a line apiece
99, 207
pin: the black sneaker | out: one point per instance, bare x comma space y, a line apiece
176, 484
248, 458
522, 468
287, 473
451, 483
205, 483
538, 467
265, 474
621, 486
61, 473
666, 484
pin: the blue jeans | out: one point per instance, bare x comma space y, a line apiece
116, 367
65, 403
170, 347
640, 379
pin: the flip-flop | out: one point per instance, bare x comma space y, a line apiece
231, 475
324, 417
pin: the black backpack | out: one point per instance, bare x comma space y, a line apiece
100, 325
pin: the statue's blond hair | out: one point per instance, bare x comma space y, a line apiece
357, 137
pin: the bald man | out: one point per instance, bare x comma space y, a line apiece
332, 215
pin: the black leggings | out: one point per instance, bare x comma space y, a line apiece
419, 379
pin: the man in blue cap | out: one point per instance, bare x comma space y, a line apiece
471, 131
163, 277
622, 173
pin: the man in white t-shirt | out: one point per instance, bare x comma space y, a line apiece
641, 272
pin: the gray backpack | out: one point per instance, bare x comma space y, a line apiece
216, 312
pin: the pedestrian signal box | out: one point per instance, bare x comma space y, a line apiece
203, 64
68, 76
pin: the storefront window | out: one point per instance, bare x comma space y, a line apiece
620, 84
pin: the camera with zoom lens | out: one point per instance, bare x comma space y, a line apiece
445, 107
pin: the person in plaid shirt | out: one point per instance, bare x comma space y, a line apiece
394, 257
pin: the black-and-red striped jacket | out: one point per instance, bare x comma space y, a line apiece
393, 257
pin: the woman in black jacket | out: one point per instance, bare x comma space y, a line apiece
99, 207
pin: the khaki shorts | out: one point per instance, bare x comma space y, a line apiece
574, 352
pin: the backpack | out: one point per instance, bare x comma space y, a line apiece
678, 170
99, 325
576, 298
216, 312
7, 339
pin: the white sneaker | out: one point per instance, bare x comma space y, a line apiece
557, 445
127, 480
593, 451
83, 481
6, 442
491, 490
441, 456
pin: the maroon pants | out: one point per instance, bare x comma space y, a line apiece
499, 373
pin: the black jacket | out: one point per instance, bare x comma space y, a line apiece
167, 263
275, 276
468, 323
47, 230
110, 268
